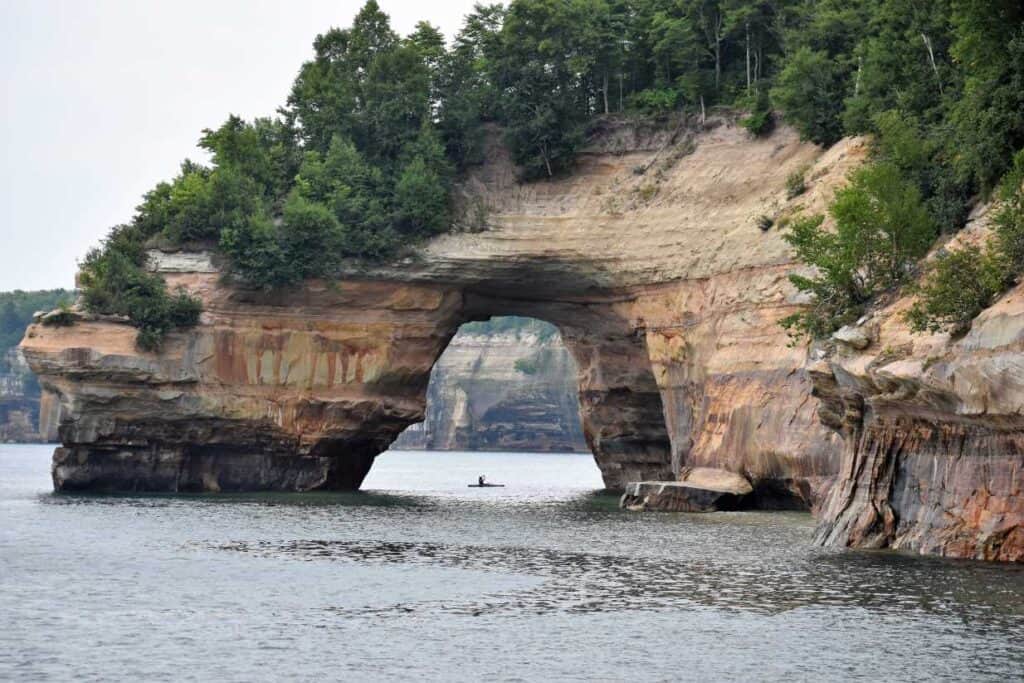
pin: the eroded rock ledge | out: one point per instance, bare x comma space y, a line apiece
933, 432
662, 285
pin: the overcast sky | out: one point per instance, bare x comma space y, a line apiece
104, 98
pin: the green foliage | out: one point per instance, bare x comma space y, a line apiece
957, 287
16, 311
988, 117
265, 151
961, 284
760, 122
198, 204
310, 239
421, 201
654, 101
901, 139
62, 317
810, 92
361, 160
114, 282
884, 213
254, 253
795, 184
1009, 218
881, 229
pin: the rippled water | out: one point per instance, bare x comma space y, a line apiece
422, 578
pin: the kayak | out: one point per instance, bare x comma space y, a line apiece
485, 486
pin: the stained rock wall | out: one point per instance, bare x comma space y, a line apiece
933, 431
648, 259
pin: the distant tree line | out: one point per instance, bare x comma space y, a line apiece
360, 160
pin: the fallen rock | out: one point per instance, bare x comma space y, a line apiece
854, 337
703, 489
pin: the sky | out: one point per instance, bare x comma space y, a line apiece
102, 99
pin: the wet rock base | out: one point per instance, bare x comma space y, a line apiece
203, 471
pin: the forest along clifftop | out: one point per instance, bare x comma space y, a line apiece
650, 259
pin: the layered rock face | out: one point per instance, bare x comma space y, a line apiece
508, 387
933, 433
648, 259
21, 410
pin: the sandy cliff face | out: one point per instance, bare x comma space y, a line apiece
505, 390
648, 260
933, 433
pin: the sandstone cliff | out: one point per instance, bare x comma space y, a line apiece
933, 430
648, 259
506, 387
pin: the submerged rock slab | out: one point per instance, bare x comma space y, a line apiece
701, 489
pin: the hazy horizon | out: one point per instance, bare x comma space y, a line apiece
103, 99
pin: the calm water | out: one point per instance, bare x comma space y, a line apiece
422, 578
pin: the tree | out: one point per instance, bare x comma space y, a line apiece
961, 284
881, 229
883, 212
311, 239
989, 117
809, 90
355, 192
255, 254
956, 288
265, 151
545, 105
16, 311
468, 94
114, 282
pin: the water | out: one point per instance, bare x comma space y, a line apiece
423, 578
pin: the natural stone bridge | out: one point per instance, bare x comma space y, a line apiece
649, 260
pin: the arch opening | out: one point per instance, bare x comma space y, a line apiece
593, 387
504, 384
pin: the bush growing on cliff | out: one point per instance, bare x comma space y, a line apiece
961, 284
956, 288
1009, 218
114, 282
796, 184
881, 229
760, 122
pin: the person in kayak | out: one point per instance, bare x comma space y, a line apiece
481, 480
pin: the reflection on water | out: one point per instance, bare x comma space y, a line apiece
422, 577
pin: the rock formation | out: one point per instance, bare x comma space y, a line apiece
648, 259
651, 262
933, 429
505, 387
699, 489
20, 404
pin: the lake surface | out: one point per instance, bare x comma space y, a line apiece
420, 577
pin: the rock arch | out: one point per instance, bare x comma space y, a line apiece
648, 258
